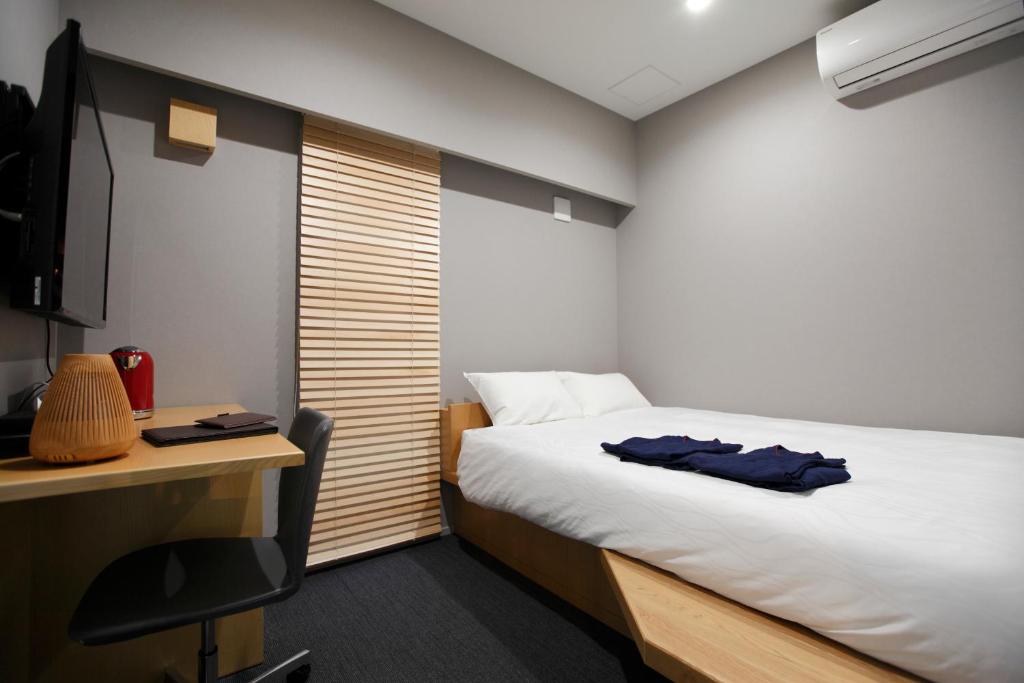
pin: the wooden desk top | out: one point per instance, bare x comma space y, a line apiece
25, 478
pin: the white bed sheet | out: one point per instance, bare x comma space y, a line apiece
918, 560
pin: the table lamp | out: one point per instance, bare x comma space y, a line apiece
85, 414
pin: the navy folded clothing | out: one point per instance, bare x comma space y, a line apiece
774, 467
672, 452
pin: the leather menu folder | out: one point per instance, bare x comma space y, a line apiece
186, 434
234, 420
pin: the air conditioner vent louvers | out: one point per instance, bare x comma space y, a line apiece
892, 38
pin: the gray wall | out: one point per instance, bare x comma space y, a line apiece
26, 29
202, 248
358, 61
520, 290
202, 251
862, 263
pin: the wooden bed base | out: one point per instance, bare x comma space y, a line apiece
568, 568
684, 632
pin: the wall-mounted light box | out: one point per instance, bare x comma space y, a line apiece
192, 125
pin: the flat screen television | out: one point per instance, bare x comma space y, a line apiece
61, 269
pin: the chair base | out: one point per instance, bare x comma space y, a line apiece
295, 669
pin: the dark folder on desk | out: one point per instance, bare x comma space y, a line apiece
176, 436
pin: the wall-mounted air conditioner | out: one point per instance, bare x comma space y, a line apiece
891, 38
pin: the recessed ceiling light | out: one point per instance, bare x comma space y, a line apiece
697, 5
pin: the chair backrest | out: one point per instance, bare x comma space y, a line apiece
311, 431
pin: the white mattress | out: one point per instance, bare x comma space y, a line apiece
918, 561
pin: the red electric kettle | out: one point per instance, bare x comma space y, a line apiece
135, 367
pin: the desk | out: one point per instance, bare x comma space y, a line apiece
60, 525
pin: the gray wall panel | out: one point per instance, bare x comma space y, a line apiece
360, 62
858, 262
520, 290
202, 253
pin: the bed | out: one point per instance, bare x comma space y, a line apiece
916, 562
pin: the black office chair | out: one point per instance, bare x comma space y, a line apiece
198, 580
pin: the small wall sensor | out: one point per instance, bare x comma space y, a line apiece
563, 209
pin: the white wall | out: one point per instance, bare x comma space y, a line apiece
520, 290
798, 257
27, 27
361, 62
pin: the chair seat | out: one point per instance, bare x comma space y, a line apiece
179, 583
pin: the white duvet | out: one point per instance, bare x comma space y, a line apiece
918, 560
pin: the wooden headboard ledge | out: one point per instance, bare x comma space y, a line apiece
455, 419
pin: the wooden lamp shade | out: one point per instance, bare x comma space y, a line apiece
85, 414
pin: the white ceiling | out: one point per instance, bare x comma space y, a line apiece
592, 47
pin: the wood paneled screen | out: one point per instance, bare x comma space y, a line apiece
368, 334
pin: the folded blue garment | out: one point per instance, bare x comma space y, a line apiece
774, 467
671, 452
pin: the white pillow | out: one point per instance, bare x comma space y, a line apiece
522, 398
600, 394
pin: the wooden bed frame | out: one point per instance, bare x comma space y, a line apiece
685, 632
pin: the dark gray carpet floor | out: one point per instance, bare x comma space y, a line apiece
442, 611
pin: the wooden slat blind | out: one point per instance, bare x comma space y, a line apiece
369, 334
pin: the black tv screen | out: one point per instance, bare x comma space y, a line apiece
65, 238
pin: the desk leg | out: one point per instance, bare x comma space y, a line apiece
73, 537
